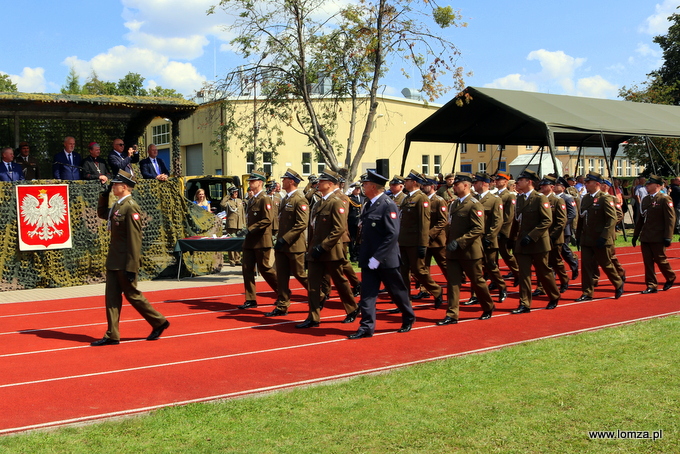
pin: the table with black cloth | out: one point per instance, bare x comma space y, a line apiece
206, 244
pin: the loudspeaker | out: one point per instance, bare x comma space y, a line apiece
382, 167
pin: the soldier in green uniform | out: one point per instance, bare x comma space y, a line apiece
439, 219
509, 200
556, 233
413, 236
291, 244
326, 252
257, 245
654, 229
533, 219
123, 260
236, 219
464, 253
397, 190
446, 192
597, 220
275, 197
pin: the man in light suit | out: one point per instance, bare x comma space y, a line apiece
379, 257
153, 167
67, 163
10, 171
119, 159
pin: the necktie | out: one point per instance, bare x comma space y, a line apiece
70, 161
155, 165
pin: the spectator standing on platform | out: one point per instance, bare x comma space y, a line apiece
236, 219
27, 162
94, 167
9, 170
67, 163
153, 167
119, 159
201, 200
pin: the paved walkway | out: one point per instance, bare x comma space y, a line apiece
229, 274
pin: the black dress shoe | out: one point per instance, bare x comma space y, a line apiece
618, 292
502, 296
351, 316
508, 276
156, 333
248, 304
493, 286
307, 324
538, 292
275, 313
486, 315
394, 311
359, 334
356, 291
420, 295
668, 285
574, 274
405, 328
471, 301
104, 341
522, 309
584, 298
649, 290
552, 304
438, 302
564, 287
447, 321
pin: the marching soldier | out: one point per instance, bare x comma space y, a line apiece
532, 221
326, 252
446, 192
654, 229
275, 197
464, 250
291, 244
504, 239
597, 220
556, 233
397, 190
439, 219
569, 230
236, 219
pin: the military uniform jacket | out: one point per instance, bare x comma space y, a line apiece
30, 167
328, 223
466, 226
380, 233
597, 218
493, 217
345, 201
398, 198
533, 217
446, 193
259, 216
125, 248
559, 214
236, 217
415, 220
439, 219
293, 220
657, 219
573, 192
276, 204
508, 199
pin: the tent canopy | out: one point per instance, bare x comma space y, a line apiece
508, 117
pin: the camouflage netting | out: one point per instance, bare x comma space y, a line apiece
167, 216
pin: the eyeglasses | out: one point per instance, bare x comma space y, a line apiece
118, 144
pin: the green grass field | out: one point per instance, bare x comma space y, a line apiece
542, 396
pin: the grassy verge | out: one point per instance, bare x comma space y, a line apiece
538, 397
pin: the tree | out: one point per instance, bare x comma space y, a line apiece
669, 73
161, 92
6, 84
72, 86
131, 85
95, 86
309, 61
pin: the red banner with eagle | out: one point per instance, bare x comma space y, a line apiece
43, 217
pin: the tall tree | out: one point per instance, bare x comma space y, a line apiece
96, 86
72, 86
132, 84
307, 61
6, 84
669, 73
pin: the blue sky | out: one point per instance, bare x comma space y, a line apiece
584, 48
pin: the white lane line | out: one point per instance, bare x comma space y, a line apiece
320, 379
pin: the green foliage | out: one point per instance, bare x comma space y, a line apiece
669, 73
95, 86
161, 92
131, 85
72, 86
6, 84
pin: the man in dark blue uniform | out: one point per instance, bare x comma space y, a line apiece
379, 256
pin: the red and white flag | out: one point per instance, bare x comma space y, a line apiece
43, 217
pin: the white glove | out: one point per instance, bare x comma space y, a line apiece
373, 263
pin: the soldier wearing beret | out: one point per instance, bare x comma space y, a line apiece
257, 245
325, 252
123, 260
597, 221
533, 219
464, 252
509, 201
379, 257
654, 229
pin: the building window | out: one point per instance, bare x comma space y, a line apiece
618, 168
466, 168
425, 165
529, 147
591, 165
321, 165
600, 166
579, 167
501, 148
437, 164
306, 163
626, 165
267, 162
481, 148
250, 161
502, 166
463, 148
160, 135
481, 166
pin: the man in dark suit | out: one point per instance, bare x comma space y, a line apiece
153, 167
533, 219
10, 171
27, 162
379, 257
123, 261
119, 159
67, 163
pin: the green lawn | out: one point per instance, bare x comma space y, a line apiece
537, 397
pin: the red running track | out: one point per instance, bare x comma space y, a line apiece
51, 376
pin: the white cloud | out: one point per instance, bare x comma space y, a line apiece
596, 87
183, 77
31, 80
513, 82
657, 23
644, 50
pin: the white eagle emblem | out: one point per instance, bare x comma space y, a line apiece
44, 215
